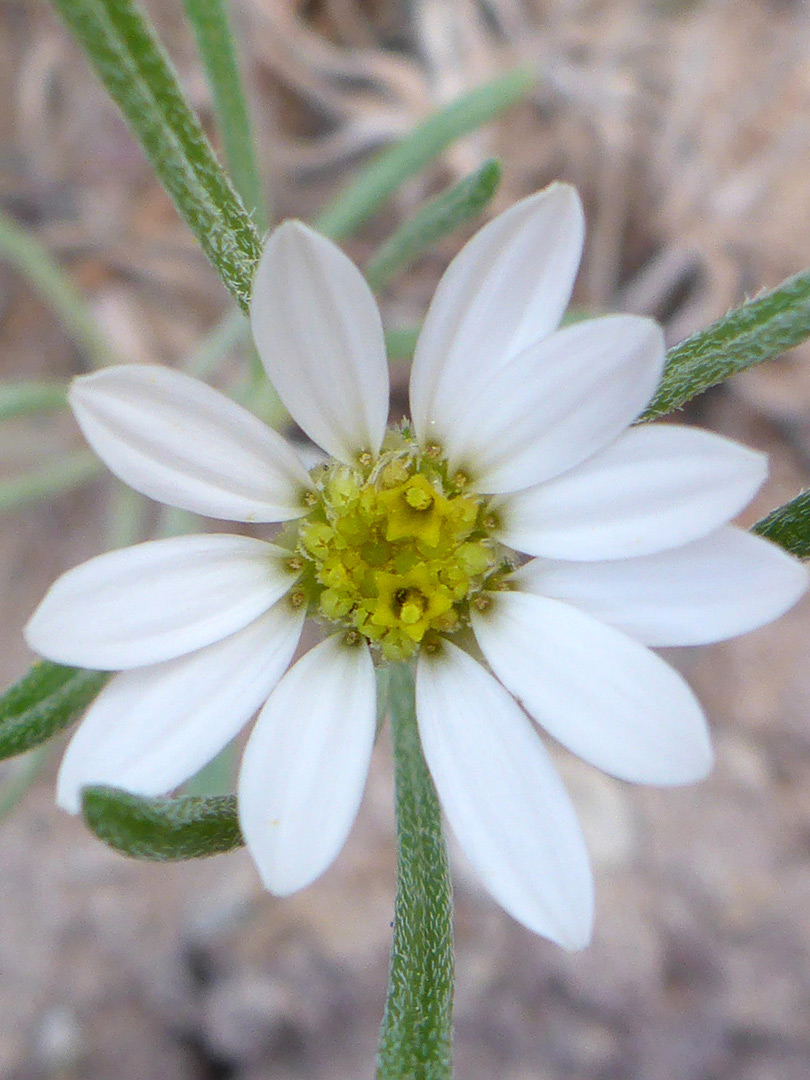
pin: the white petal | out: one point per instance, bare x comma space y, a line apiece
601, 694
556, 403
505, 290
722, 585
150, 730
145, 604
305, 764
183, 443
655, 487
320, 337
503, 798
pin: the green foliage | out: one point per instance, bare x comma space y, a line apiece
400, 342
60, 474
789, 526
43, 702
121, 45
759, 330
390, 169
455, 206
21, 398
162, 830
416, 1034
27, 770
209, 20
28, 256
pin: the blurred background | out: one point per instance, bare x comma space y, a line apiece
686, 126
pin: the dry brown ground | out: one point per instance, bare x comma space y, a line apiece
685, 125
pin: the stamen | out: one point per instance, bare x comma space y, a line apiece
392, 550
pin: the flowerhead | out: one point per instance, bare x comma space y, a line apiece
517, 539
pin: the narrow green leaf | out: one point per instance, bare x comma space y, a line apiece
121, 45
231, 331
61, 474
43, 702
162, 830
390, 169
789, 526
400, 342
416, 1034
209, 21
28, 769
28, 396
455, 206
759, 330
30, 258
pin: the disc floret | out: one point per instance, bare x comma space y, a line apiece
396, 549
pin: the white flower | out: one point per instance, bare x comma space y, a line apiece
521, 440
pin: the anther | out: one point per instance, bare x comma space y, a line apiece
432, 645
352, 638
419, 498
460, 479
297, 598
295, 564
365, 459
433, 451
309, 498
482, 602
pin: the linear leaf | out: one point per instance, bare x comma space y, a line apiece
789, 526
22, 250
759, 330
455, 206
416, 1033
27, 769
209, 21
30, 396
60, 474
390, 169
400, 342
162, 830
121, 45
43, 702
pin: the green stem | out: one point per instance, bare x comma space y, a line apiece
756, 331
209, 20
120, 43
381, 178
31, 259
416, 1034
435, 219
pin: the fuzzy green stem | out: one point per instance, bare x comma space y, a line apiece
120, 43
756, 331
789, 526
416, 1034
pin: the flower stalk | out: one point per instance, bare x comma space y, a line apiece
416, 1034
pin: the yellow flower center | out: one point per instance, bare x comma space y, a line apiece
394, 550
